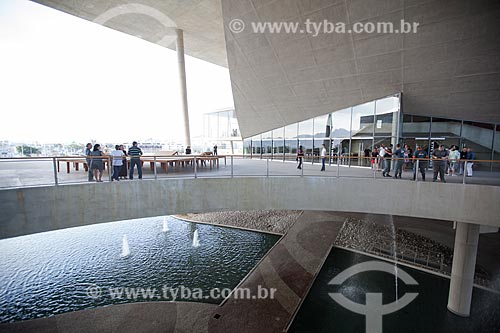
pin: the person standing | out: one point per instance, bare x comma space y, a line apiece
400, 159
374, 158
463, 157
323, 157
421, 155
97, 164
117, 162
439, 162
381, 154
135, 154
215, 150
300, 155
453, 157
123, 170
471, 156
387, 161
88, 150
366, 160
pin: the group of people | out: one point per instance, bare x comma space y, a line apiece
444, 161
95, 161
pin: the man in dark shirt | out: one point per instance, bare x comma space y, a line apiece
471, 156
387, 161
88, 149
135, 154
420, 154
399, 154
463, 157
439, 162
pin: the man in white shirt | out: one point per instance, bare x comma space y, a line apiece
323, 157
381, 154
117, 162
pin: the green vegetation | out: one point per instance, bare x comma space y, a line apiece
27, 150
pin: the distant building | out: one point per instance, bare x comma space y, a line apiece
221, 128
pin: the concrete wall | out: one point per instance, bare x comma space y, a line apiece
448, 68
31, 210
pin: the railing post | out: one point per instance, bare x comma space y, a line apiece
154, 167
55, 170
374, 168
232, 169
417, 170
110, 171
465, 172
338, 167
267, 166
195, 168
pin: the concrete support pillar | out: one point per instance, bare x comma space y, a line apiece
462, 271
182, 83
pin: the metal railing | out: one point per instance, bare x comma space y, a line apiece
19, 174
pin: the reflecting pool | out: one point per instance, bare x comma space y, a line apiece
425, 313
73, 269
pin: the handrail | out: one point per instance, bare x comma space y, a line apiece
334, 162
256, 156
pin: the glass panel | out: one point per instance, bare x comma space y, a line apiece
211, 125
386, 121
256, 145
223, 124
247, 147
291, 142
362, 120
233, 125
278, 143
267, 143
341, 124
416, 126
341, 134
322, 131
361, 151
306, 136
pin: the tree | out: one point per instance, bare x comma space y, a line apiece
27, 150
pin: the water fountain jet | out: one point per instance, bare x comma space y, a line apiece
125, 247
196, 241
165, 224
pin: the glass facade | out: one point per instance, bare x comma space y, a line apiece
221, 128
348, 132
354, 132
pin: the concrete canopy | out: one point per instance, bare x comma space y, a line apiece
201, 21
449, 68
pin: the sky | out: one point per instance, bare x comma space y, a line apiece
65, 79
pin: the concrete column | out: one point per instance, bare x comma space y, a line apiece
462, 271
182, 80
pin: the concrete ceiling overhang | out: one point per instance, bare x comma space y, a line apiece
449, 68
201, 21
